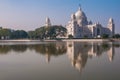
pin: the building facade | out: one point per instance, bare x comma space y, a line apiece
80, 27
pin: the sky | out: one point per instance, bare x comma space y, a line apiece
31, 14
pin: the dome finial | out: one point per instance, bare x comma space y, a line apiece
80, 7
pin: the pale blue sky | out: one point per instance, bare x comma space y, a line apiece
31, 14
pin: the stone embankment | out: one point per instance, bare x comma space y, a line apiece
87, 40
65, 40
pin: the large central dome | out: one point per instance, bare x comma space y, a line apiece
81, 17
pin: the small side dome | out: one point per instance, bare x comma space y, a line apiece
73, 17
90, 22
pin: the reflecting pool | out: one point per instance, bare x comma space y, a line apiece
60, 61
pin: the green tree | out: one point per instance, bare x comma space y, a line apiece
85, 36
32, 34
116, 36
6, 33
19, 34
50, 32
105, 36
70, 36
40, 32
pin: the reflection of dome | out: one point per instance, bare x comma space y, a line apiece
81, 17
73, 17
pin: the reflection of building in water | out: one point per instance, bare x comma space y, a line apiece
48, 58
77, 54
111, 53
80, 52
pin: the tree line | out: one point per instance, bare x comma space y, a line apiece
51, 49
51, 32
44, 32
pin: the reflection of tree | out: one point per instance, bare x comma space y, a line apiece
50, 48
19, 48
4, 49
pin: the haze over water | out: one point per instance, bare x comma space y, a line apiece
60, 61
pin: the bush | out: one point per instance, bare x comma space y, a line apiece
105, 36
70, 36
116, 36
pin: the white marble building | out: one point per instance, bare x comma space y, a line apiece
80, 27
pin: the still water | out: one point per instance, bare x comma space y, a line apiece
60, 61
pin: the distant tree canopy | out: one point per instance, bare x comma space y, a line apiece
51, 32
12, 34
19, 34
5, 32
70, 36
116, 36
105, 36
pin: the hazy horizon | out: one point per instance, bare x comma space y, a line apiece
31, 14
